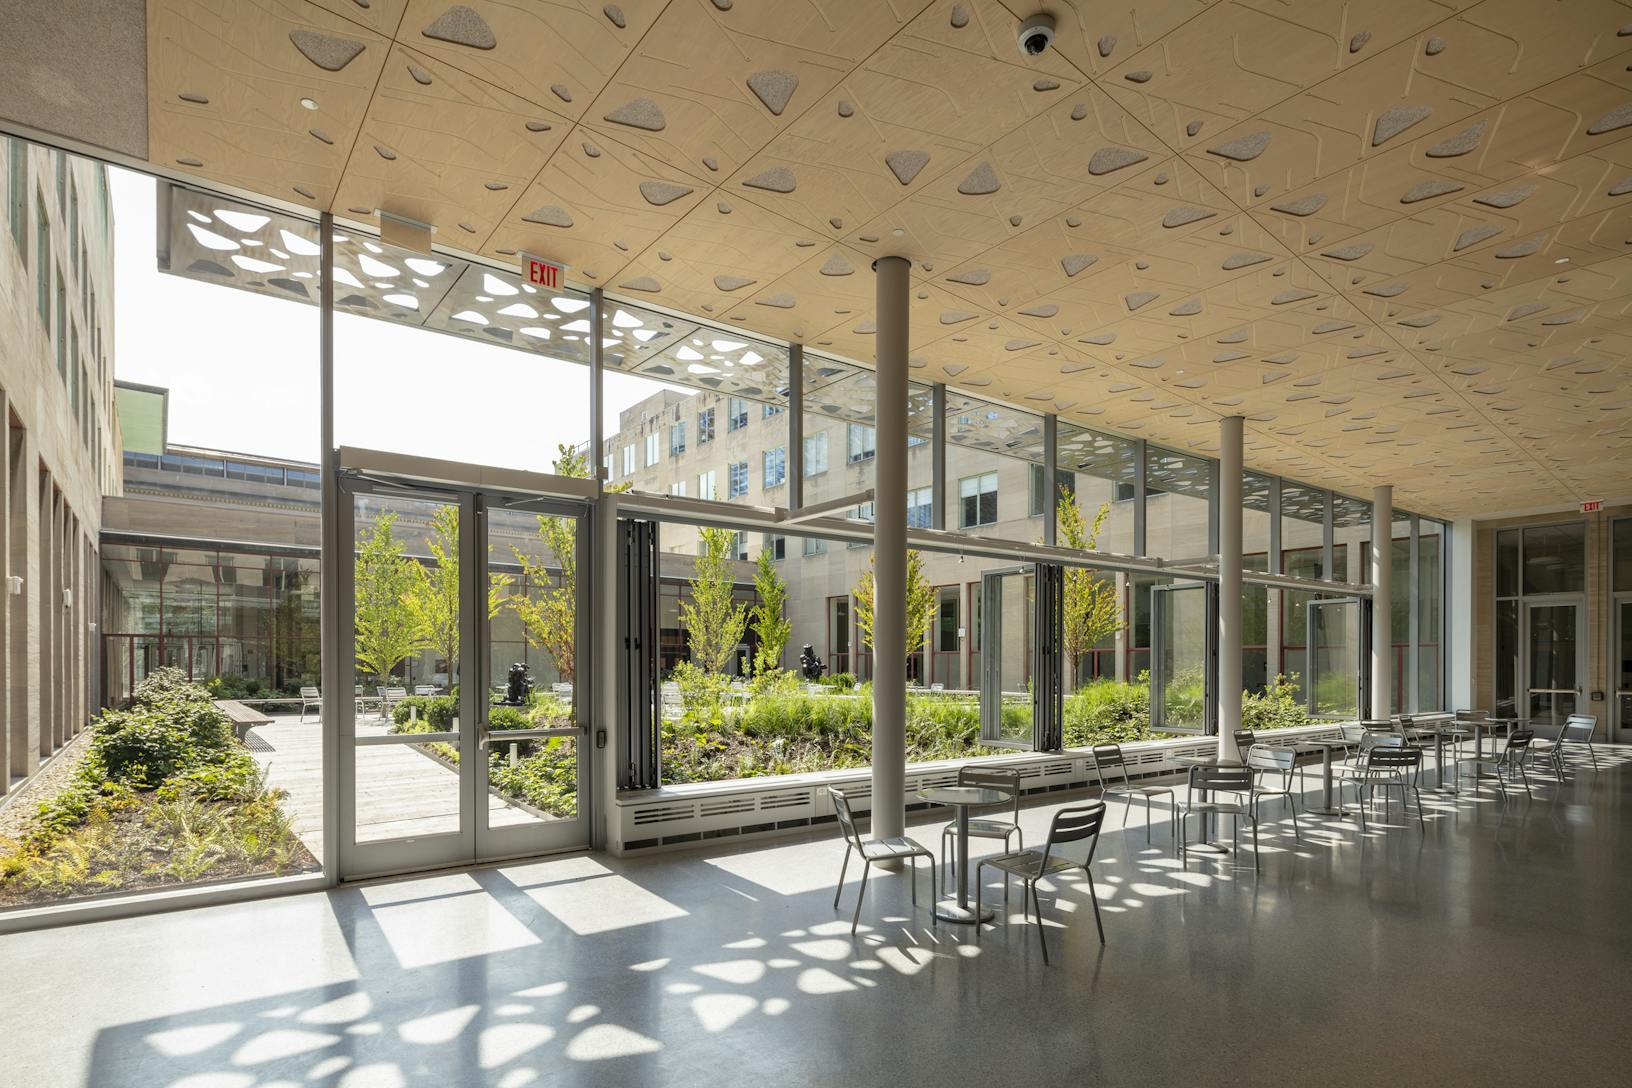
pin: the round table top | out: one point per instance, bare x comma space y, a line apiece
963, 796
1209, 761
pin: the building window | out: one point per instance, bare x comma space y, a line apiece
738, 481
864, 512
920, 508
62, 327
654, 451
736, 414
916, 440
677, 438
815, 454
17, 196
977, 496
1063, 482
705, 426
628, 460
813, 545
678, 488
706, 486
769, 410
776, 466
42, 269
776, 545
863, 442
607, 465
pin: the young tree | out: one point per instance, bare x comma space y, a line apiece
1092, 611
920, 604
769, 616
387, 630
714, 620
549, 616
434, 598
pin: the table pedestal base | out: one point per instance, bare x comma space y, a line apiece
1207, 848
948, 910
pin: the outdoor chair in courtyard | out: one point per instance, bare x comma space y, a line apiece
310, 698
1235, 781
985, 827
1070, 825
1109, 757
895, 848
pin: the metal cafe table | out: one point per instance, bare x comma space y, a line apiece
963, 798
1327, 808
1209, 821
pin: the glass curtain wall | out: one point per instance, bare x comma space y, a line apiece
163, 453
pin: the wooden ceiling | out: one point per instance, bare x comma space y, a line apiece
1394, 234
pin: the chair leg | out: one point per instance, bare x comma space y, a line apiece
932, 886
1147, 819
866, 867
915, 880
1093, 897
1297, 835
1042, 937
946, 865
842, 870
1255, 846
978, 883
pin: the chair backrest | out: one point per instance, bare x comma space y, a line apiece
1584, 725
1520, 739
1226, 779
1074, 825
308, 693
1380, 740
1392, 756
1406, 722
991, 778
1379, 725
1471, 715
1262, 757
1352, 733
1244, 739
847, 822
1109, 756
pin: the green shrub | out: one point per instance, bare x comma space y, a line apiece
438, 710
1277, 707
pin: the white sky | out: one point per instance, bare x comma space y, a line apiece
242, 369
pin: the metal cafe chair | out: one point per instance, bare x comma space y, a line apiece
1109, 757
1583, 725
985, 827
1070, 825
1389, 766
1244, 740
1507, 764
1274, 761
895, 847
1212, 780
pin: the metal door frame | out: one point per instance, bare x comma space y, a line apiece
991, 656
1618, 729
1159, 608
1311, 680
474, 842
1578, 601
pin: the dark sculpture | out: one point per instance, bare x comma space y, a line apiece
811, 667
519, 687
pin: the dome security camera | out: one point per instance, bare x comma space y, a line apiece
1036, 33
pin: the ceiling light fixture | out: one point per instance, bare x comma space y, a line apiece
309, 103
1562, 260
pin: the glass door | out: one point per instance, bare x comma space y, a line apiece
1339, 658
1006, 605
1183, 631
458, 723
1620, 707
1554, 669
534, 772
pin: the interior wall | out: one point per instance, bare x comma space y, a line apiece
1597, 600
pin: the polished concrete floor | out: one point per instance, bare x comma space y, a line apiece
1494, 948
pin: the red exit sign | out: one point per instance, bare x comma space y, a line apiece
543, 272
1592, 506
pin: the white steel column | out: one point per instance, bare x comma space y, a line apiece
1382, 610
332, 633
890, 552
1229, 584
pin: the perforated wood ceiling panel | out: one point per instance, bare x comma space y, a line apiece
1393, 233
